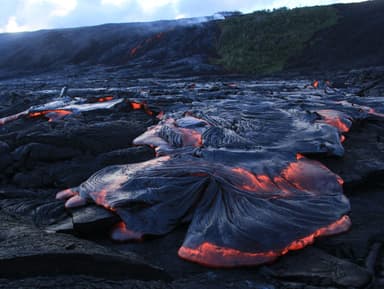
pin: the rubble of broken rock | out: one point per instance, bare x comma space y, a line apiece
49, 144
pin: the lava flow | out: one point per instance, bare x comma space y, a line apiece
144, 43
121, 233
252, 182
216, 199
53, 114
337, 119
211, 255
106, 98
238, 175
141, 106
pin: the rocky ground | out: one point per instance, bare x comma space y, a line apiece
43, 245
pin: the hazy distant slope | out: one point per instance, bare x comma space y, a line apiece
135, 44
305, 39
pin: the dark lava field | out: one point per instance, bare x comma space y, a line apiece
263, 143
172, 172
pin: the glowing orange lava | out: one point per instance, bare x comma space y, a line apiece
52, 114
212, 255
141, 105
338, 124
104, 99
299, 156
253, 182
332, 118
101, 199
340, 180
136, 105
121, 233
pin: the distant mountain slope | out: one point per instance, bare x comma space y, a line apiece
320, 38
356, 41
163, 44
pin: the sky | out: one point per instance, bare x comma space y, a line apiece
29, 15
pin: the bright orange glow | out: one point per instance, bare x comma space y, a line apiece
340, 180
338, 124
342, 138
253, 182
212, 255
292, 172
315, 84
121, 233
136, 105
55, 113
299, 156
332, 118
106, 98
284, 186
141, 105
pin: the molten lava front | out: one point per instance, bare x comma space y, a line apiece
232, 210
337, 119
234, 169
51, 114
211, 255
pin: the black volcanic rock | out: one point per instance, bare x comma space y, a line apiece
362, 164
26, 252
321, 269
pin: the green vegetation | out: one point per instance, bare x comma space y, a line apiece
263, 41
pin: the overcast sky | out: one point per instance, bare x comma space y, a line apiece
27, 15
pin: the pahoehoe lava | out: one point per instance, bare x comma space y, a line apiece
234, 169
160, 154
227, 173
